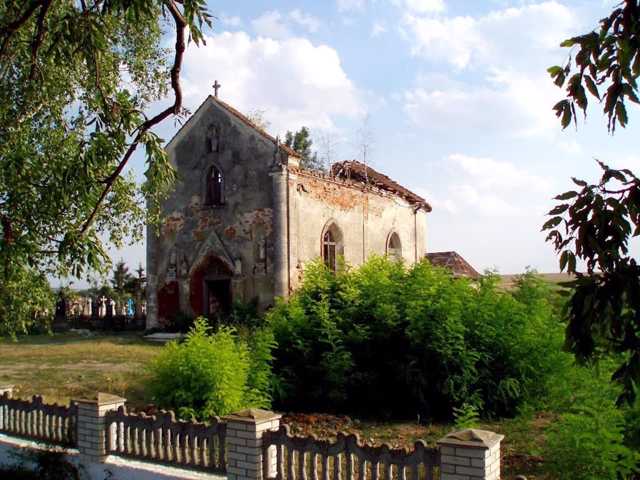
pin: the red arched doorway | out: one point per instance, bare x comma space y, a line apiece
210, 288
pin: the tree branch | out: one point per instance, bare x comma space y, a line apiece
150, 123
14, 26
37, 40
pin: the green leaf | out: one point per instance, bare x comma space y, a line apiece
564, 258
621, 113
591, 86
555, 70
552, 223
559, 209
580, 183
566, 195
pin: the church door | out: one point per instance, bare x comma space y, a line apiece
210, 288
217, 298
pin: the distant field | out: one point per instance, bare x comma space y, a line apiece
64, 366
509, 282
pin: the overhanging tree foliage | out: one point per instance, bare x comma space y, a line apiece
76, 82
596, 222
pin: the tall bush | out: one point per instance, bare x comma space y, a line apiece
212, 373
587, 441
388, 340
27, 303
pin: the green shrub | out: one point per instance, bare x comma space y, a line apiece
592, 438
390, 341
587, 442
27, 303
467, 416
212, 373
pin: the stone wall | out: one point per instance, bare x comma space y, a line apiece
240, 232
366, 217
270, 224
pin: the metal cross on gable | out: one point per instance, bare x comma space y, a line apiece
216, 87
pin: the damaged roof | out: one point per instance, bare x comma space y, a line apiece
454, 262
354, 170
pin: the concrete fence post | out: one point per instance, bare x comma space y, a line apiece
91, 425
5, 389
470, 455
244, 443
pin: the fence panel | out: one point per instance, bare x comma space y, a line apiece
163, 439
35, 420
286, 457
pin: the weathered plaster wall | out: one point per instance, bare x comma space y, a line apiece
366, 218
270, 225
239, 232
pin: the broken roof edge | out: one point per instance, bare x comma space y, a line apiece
236, 113
372, 176
348, 182
454, 261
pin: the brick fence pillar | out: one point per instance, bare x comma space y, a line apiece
244, 443
6, 389
470, 455
91, 425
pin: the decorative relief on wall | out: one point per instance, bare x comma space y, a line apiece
214, 140
172, 268
259, 249
184, 267
173, 223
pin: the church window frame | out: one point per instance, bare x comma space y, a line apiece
332, 247
214, 187
394, 246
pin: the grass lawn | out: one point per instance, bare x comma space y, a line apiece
65, 366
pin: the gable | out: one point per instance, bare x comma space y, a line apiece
211, 101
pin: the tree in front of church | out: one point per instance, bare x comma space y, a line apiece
301, 142
77, 79
596, 222
259, 119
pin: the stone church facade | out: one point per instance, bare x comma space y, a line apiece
244, 218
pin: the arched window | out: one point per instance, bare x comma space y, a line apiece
332, 246
215, 187
394, 247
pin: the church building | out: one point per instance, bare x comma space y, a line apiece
245, 218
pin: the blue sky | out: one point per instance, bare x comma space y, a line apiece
453, 96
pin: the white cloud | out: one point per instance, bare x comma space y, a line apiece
510, 102
294, 81
490, 187
490, 174
501, 36
508, 52
424, 6
270, 24
378, 28
438, 203
485, 203
348, 5
273, 24
309, 22
229, 21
